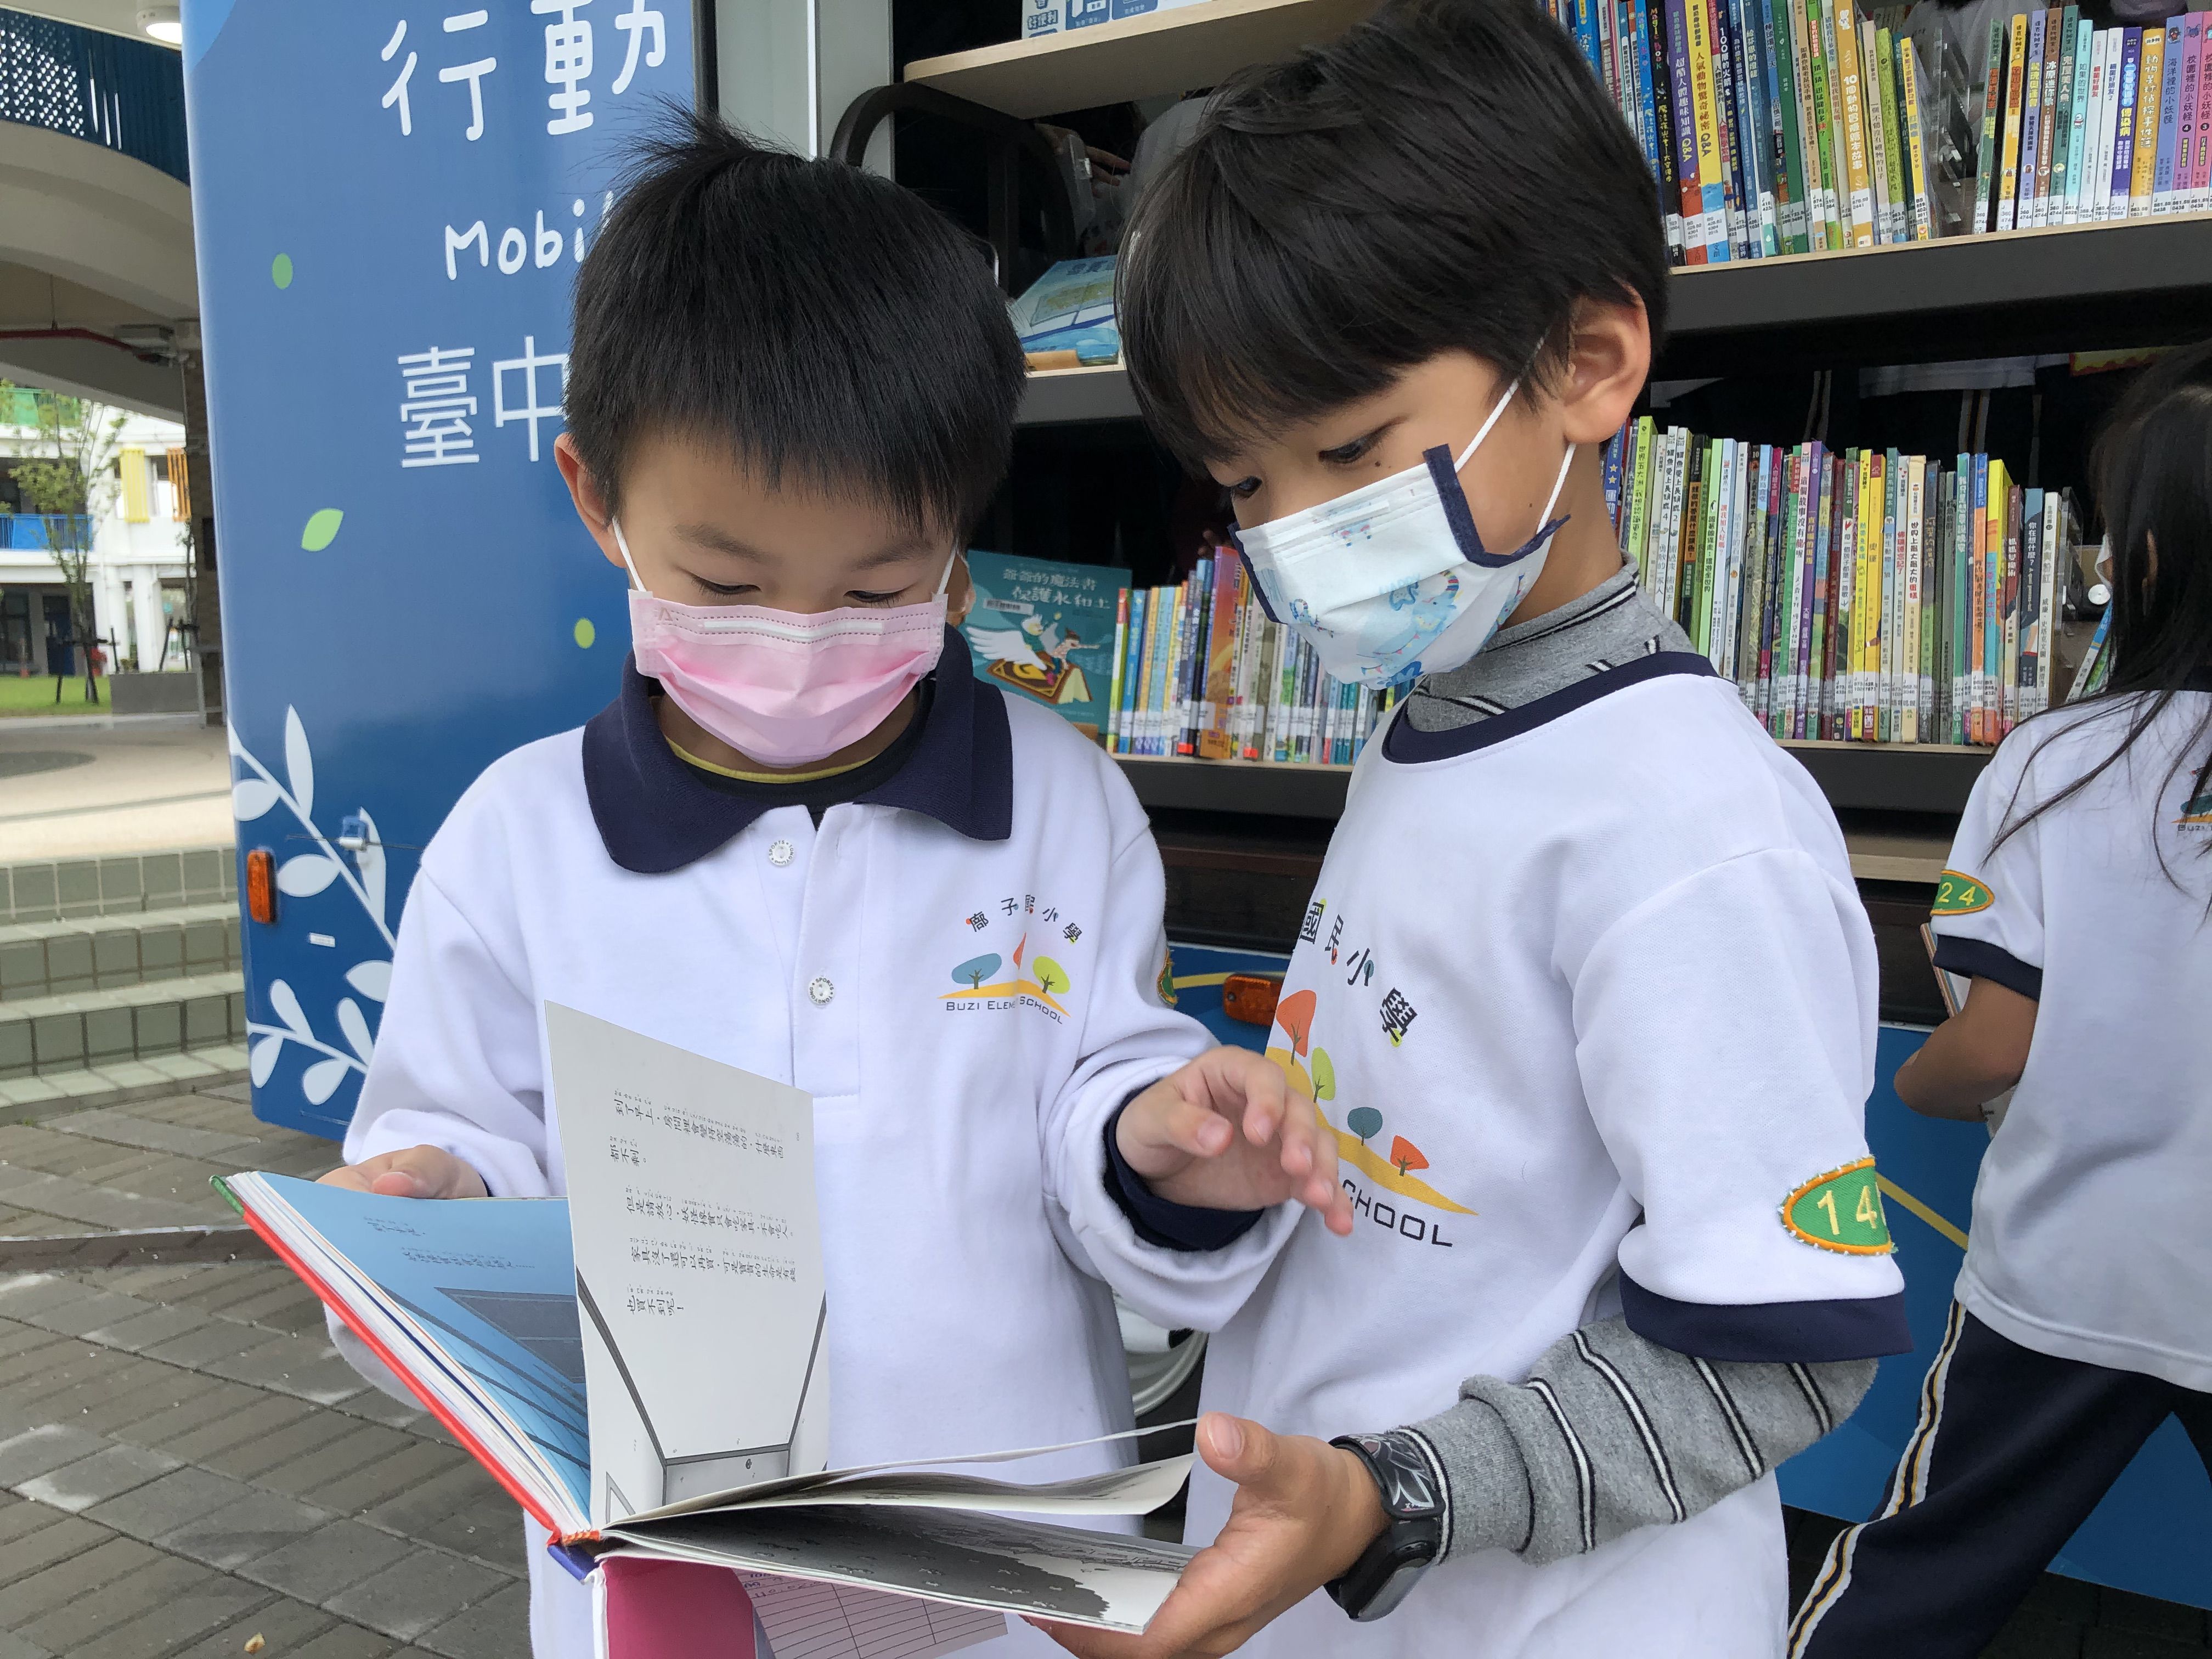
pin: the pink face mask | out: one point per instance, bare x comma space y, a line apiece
780, 687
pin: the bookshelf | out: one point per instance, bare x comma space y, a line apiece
2072, 288
1163, 53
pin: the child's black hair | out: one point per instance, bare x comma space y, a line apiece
2153, 471
822, 323
1449, 174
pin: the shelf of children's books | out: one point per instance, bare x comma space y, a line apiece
1269, 787
2062, 288
1177, 49
1062, 397
1892, 777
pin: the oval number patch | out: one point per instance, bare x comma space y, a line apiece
1840, 1210
1959, 894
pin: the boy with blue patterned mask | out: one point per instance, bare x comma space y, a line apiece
1585, 989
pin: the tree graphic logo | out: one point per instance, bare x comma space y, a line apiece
973, 972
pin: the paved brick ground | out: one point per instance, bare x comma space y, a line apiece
186, 1463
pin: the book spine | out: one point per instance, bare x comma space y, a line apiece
2031, 602
1881, 517
1189, 659
1602, 23
1813, 78
1144, 630
1894, 160
1727, 100
1877, 132
2085, 51
1831, 57
1986, 159
2169, 121
1801, 591
2124, 130
1796, 190
1756, 84
1866, 620
2104, 127
1167, 713
2085, 184
1993, 574
1843, 614
2031, 130
1978, 587
1915, 138
2008, 640
2062, 128
2190, 192
2015, 93
1120, 655
1713, 196
1908, 656
1688, 154
1853, 99
1585, 26
2047, 131
2150, 91
1659, 95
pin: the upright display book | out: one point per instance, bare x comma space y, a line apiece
1071, 308
641, 1365
1046, 631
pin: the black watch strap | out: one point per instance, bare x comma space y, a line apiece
1410, 1482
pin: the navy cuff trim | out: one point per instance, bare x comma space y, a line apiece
1402, 742
1770, 1332
1160, 1223
1976, 958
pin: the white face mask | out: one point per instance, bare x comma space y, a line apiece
1392, 580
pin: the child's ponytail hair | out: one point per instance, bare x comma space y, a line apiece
2152, 469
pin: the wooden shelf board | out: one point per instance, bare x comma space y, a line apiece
1149, 56
1878, 855
1064, 396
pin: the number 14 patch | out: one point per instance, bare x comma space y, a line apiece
1840, 1210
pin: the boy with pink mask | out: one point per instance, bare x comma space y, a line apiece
804, 840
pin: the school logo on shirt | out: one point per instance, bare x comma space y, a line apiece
1959, 894
1840, 1210
1019, 978
2197, 814
1359, 1142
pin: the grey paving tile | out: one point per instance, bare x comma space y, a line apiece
414, 1514
129, 1128
149, 1329
416, 1594
167, 1390
347, 1641
61, 1538
208, 1443
305, 1433
160, 1506
72, 1627
182, 1615
378, 1406
497, 1627
13, 1646
308, 1367
20, 1517
317, 1565
247, 1530
36, 1451
77, 1575
394, 1463
162, 1429
484, 1524
218, 1339
88, 1310
23, 1294
109, 1471
283, 1625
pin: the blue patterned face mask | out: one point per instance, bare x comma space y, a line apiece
1392, 580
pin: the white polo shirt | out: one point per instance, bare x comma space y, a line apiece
2088, 1234
1587, 991
959, 1116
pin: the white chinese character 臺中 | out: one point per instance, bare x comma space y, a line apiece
634, 22
472, 73
527, 366
437, 408
398, 92
568, 62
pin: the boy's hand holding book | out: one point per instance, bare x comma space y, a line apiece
1227, 1132
417, 1172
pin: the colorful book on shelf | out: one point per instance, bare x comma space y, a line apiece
643, 1364
2030, 119
1988, 164
2015, 104
2085, 41
1070, 309
1046, 631
2062, 138
2150, 91
2169, 120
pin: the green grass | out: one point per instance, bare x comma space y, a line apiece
36, 696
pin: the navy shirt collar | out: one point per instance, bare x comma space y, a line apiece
656, 816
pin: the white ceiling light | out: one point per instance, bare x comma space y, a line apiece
162, 23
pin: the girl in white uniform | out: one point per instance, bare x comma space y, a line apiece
2079, 904
804, 841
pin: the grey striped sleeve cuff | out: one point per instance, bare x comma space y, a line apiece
1612, 1432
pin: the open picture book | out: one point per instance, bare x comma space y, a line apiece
642, 1364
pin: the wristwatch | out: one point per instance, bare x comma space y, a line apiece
1413, 1492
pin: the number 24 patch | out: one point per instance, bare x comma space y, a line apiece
1840, 1210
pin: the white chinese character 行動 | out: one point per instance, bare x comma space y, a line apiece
568, 63
472, 73
634, 22
530, 409
436, 409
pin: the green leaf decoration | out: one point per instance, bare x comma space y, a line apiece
280, 270
585, 632
322, 530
